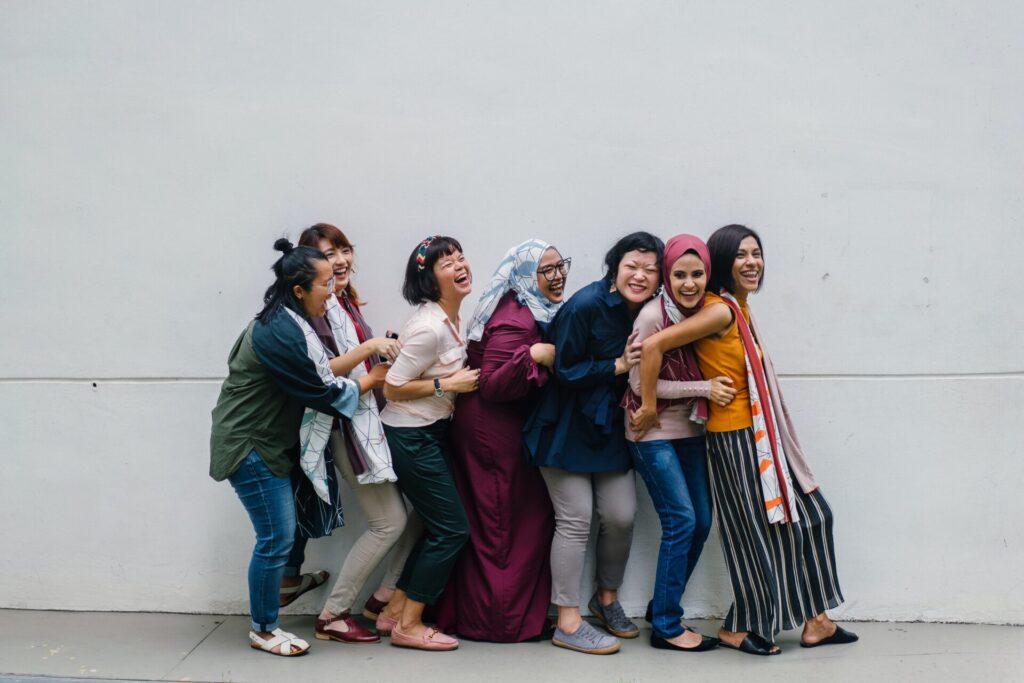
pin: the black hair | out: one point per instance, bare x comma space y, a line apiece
636, 241
723, 245
297, 266
420, 285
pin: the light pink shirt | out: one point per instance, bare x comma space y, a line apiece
432, 348
675, 419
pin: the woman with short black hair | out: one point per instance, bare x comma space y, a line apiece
577, 437
276, 369
421, 388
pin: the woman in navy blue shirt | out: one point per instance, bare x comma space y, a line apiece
577, 437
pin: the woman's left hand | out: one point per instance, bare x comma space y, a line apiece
374, 379
543, 354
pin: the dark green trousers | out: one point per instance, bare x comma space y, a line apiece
419, 456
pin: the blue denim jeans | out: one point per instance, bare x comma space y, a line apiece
271, 507
676, 474
293, 565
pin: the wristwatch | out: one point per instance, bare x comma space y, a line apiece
438, 391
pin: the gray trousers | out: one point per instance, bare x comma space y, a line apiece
388, 525
575, 495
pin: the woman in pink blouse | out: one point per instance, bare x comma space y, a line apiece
421, 387
501, 587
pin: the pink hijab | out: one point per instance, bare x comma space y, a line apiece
680, 364
676, 247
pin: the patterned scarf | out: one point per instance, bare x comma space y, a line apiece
776, 483
679, 364
516, 272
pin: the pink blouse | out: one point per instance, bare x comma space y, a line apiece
432, 348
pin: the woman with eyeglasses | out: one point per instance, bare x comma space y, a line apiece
278, 368
360, 454
501, 587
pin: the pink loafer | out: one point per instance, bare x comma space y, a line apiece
432, 639
385, 624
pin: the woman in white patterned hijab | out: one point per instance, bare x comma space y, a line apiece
518, 272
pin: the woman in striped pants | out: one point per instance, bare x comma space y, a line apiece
775, 525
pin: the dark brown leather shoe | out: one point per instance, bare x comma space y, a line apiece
372, 608
353, 632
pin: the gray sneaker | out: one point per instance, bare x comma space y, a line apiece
613, 618
586, 639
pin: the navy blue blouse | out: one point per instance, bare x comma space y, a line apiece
578, 425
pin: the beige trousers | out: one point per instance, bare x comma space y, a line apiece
388, 526
575, 496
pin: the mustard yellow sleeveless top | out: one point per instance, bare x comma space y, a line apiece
723, 356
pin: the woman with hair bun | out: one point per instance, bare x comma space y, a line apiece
358, 452
277, 368
577, 436
775, 524
421, 388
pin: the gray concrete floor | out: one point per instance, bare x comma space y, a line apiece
73, 646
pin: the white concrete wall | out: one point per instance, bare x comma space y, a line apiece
152, 152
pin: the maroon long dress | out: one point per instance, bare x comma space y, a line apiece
501, 586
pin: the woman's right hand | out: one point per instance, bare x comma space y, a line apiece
384, 347
721, 391
643, 419
543, 354
462, 382
630, 355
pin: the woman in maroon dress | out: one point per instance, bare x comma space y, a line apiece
501, 587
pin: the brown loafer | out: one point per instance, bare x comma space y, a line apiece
353, 633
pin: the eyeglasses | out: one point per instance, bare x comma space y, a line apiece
562, 268
330, 285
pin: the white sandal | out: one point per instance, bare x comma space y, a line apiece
290, 644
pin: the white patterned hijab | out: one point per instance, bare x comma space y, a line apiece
516, 272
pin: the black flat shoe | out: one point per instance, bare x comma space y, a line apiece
840, 637
706, 644
754, 644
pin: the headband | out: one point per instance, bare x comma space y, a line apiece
421, 251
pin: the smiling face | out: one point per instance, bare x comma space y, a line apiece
747, 267
314, 302
637, 277
687, 280
550, 266
340, 259
454, 277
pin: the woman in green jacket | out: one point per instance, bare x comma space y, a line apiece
277, 368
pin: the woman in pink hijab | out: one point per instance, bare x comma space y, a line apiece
671, 456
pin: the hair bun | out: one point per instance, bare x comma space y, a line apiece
283, 245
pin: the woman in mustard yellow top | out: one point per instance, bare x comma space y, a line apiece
775, 524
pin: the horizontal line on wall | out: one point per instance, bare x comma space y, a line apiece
799, 376
111, 380
906, 376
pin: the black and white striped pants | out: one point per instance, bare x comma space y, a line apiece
781, 574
